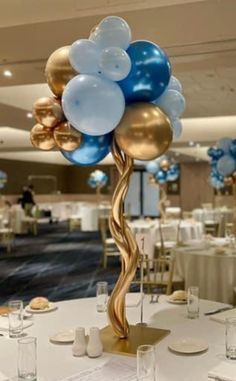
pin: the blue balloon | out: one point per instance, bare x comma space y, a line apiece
149, 75
233, 148
92, 104
226, 165
172, 175
225, 144
175, 84
174, 167
112, 31
172, 103
91, 150
215, 153
114, 63
84, 56
152, 167
161, 177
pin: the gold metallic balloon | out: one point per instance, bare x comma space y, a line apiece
47, 111
59, 71
67, 137
228, 181
165, 165
144, 132
234, 176
42, 137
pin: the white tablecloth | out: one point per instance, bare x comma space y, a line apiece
55, 362
214, 274
151, 231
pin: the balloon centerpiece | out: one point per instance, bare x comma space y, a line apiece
97, 179
161, 171
223, 167
112, 93
3, 179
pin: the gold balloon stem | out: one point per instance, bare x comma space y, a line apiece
125, 242
98, 194
162, 202
218, 199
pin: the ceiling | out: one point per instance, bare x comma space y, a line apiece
198, 35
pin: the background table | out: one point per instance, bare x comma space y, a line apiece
214, 274
56, 362
151, 231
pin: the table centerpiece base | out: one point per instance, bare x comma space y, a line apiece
138, 335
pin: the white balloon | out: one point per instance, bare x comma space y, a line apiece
172, 103
84, 56
112, 31
175, 84
115, 63
177, 128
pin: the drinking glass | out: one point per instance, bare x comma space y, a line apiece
230, 338
146, 363
15, 318
193, 302
27, 359
102, 296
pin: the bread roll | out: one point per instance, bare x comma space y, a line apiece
179, 295
39, 303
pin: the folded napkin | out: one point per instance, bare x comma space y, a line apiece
225, 371
4, 325
221, 316
133, 299
3, 377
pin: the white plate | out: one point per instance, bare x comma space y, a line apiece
52, 307
188, 345
173, 301
65, 337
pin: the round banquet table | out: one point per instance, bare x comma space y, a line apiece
55, 362
213, 272
151, 232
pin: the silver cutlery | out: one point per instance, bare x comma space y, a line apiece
218, 310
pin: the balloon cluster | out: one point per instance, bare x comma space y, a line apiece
97, 179
223, 163
162, 170
108, 86
3, 179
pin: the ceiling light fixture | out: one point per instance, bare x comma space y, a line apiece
29, 115
198, 145
7, 73
191, 143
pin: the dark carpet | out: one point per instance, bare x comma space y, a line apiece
56, 264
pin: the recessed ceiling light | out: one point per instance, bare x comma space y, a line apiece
191, 143
7, 73
29, 115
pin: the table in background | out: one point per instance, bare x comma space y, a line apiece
55, 362
212, 272
151, 230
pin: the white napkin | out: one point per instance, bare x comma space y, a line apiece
221, 316
133, 299
225, 371
4, 325
3, 377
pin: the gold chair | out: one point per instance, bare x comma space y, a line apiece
109, 246
74, 222
164, 247
158, 274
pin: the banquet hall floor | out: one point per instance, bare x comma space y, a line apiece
56, 264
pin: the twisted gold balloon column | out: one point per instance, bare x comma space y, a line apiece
162, 202
125, 242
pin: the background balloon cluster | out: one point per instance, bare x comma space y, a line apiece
97, 179
3, 179
107, 86
163, 170
223, 163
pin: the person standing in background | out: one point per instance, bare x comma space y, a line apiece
27, 200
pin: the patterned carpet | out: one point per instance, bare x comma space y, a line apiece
56, 264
